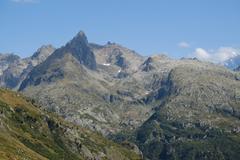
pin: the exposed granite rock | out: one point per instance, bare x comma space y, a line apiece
79, 48
14, 69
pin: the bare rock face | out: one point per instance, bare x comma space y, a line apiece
14, 69
62, 61
147, 65
41, 54
79, 48
6, 60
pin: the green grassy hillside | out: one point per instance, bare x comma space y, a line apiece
32, 134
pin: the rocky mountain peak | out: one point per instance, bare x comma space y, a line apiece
80, 49
9, 57
81, 34
80, 38
69, 58
6, 60
43, 52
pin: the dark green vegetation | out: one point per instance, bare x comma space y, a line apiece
30, 133
159, 138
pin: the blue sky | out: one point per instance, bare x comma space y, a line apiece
176, 27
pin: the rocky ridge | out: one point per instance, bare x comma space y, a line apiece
157, 102
13, 69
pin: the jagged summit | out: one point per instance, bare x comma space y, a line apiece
66, 60
79, 48
79, 38
42, 50
81, 33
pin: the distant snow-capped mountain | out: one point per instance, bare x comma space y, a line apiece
232, 63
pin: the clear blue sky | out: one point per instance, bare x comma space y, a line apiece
147, 26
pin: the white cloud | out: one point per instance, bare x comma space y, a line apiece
25, 1
183, 45
219, 55
202, 54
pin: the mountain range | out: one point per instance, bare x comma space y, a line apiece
232, 63
13, 69
170, 108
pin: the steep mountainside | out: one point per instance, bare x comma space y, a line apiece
6, 60
41, 54
197, 105
198, 117
73, 54
70, 83
13, 69
172, 109
30, 133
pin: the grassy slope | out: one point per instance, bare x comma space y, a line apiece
30, 133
